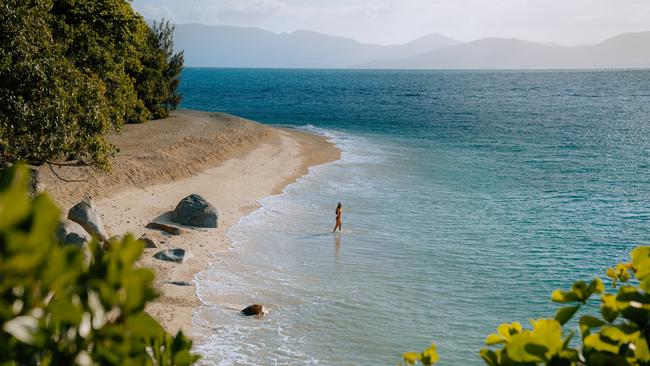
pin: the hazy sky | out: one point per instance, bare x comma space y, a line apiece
395, 21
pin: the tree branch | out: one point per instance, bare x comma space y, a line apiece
51, 165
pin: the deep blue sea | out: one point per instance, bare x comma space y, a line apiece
468, 197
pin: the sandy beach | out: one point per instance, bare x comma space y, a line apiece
230, 161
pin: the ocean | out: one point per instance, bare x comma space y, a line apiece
468, 196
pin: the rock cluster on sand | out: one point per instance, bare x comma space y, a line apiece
85, 214
194, 210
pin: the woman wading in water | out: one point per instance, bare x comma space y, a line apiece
339, 221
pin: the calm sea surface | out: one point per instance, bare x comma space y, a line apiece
468, 197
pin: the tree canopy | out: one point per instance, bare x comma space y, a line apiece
72, 71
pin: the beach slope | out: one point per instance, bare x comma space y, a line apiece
230, 161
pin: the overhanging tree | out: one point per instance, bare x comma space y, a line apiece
72, 71
50, 110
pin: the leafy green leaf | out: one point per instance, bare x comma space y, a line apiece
588, 322
641, 261
490, 357
565, 314
144, 326
411, 357
594, 341
430, 355
14, 201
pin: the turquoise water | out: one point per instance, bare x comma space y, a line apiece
468, 197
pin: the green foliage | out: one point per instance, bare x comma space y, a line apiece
427, 357
72, 71
157, 82
104, 38
619, 335
49, 108
579, 292
63, 305
545, 343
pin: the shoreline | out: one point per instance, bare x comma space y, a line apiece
250, 161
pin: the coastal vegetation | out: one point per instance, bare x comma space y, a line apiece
64, 304
619, 335
72, 71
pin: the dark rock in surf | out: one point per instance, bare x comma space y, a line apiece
254, 310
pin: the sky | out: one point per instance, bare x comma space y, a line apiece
567, 22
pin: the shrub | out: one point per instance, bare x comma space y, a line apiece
619, 335
63, 305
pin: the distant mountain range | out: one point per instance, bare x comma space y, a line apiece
230, 46
630, 50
